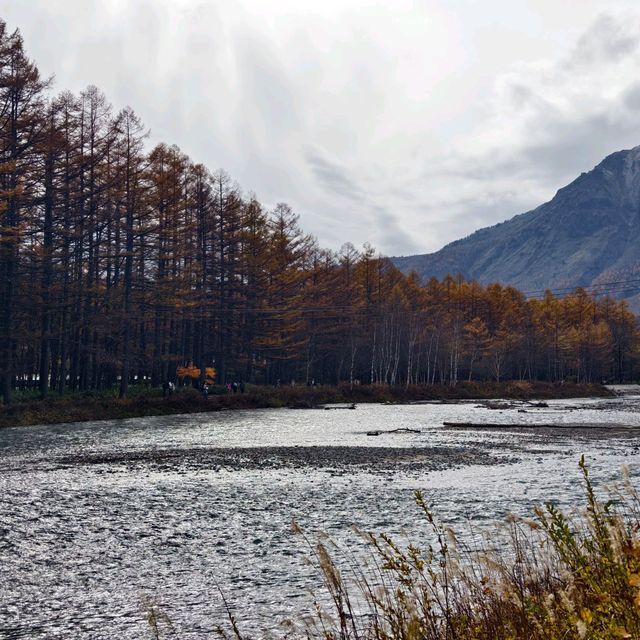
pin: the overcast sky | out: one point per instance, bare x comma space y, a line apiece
407, 124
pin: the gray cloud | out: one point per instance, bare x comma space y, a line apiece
396, 238
607, 40
332, 177
631, 98
338, 183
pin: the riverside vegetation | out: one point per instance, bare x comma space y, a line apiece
556, 576
121, 265
105, 404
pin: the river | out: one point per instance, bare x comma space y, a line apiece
97, 517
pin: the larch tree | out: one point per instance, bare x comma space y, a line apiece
21, 129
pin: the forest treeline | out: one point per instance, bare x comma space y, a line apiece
119, 264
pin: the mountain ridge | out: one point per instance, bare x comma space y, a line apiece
585, 235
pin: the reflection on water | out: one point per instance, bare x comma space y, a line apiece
94, 517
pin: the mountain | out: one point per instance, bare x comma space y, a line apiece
587, 234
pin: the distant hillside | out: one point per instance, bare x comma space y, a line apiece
587, 234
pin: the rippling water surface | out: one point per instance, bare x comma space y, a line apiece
96, 517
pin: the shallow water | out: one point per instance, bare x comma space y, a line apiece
96, 517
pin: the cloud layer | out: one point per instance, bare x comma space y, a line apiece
405, 124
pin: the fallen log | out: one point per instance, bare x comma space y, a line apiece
341, 406
565, 426
401, 430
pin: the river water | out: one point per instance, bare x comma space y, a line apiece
96, 518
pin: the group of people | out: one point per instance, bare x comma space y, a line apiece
169, 387
234, 387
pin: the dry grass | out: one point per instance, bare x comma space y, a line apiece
554, 577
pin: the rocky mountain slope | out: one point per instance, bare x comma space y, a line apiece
587, 234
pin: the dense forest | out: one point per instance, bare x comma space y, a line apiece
120, 265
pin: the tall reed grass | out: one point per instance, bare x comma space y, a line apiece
556, 576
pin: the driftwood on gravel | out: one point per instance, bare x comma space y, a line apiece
510, 404
339, 406
401, 430
306, 404
566, 428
